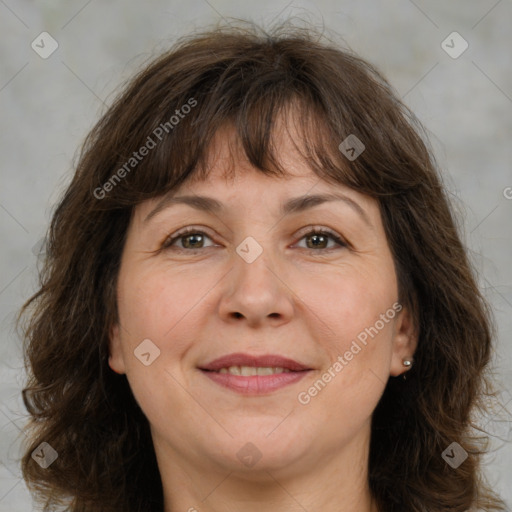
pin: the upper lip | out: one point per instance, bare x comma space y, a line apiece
239, 359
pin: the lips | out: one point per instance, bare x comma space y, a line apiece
232, 372
265, 361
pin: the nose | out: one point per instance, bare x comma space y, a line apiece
256, 291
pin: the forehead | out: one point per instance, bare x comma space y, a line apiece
247, 189
228, 175
227, 163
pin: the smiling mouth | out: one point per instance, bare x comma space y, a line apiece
267, 364
254, 375
249, 371
253, 382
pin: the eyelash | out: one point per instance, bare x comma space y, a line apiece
167, 244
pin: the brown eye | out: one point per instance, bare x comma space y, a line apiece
190, 240
320, 239
194, 239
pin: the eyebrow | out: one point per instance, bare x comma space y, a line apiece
293, 205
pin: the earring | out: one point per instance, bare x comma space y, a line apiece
407, 363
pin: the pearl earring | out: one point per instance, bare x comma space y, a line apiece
407, 363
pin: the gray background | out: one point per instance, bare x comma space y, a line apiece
48, 105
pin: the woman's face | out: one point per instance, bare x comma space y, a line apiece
252, 281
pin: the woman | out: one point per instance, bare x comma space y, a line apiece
255, 297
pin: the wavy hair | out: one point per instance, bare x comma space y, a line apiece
245, 76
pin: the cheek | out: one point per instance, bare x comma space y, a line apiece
159, 307
167, 308
347, 311
361, 316
348, 389
155, 302
347, 303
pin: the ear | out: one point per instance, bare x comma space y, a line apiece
116, 359
405, 341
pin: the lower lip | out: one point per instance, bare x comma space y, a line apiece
255, 384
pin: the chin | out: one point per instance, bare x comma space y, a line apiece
264, 445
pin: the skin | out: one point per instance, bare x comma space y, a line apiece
307, 304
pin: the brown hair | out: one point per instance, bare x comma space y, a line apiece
247, 77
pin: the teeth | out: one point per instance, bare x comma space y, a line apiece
249, 371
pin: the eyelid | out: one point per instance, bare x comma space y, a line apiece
181, 233
317, 229
307, 230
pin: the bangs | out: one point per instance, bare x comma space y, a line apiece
159, 133
250, 128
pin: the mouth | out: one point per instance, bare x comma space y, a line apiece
254, 375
